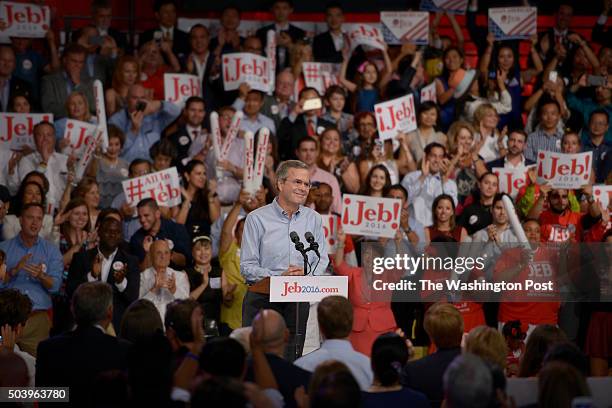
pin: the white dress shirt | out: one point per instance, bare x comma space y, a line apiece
107, 264
162, 297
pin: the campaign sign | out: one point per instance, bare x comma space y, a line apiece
330, 230
364, 34
16, 129
564, 170
163, 186
446, 6
307, 288
511, 180
428, 93
246, 67
319, 75
602, 193
180, 87
396, 115
24, 20
78, 132
513, 23
370, 216
401, 27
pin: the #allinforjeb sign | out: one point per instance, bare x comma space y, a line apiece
370, 216
163, 186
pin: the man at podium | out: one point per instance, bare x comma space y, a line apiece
267, 249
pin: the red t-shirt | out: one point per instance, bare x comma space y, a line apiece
543, 268
556, 227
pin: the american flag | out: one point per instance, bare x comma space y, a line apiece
450, 6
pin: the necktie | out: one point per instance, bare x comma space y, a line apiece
195, 135
310, 128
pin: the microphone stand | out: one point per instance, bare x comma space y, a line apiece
298, 336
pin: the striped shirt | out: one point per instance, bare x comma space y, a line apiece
542, 141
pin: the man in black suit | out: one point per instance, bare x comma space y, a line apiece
286, 33
102, 15
10, 85
75, 359
165, 13
444, 326
108, 263
202, 62
327, 46
300, 123
191, 134
514, 158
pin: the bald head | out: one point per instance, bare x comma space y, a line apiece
275, 333
136, 93
160, 254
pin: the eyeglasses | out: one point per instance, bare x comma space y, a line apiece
300, 183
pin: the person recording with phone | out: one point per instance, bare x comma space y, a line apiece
143, 122
602, 99
267, 249
303, 121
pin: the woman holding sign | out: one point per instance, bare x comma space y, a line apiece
78, 109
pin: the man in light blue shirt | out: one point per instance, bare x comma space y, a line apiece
142, 127
267, 250
425, 185
335, 316
253, 119
34, 266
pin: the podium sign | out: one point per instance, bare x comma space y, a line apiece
307, 288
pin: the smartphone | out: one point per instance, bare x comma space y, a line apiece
596, 80
96, 40
141, 106
312, 104
552, 76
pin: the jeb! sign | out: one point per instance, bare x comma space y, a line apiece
363, 34
330, 230
602, 193
78, 132
396, 115
163, 186
246, 67
24, 20
370, 216
16, 128
511, 180
564, 170
180, 87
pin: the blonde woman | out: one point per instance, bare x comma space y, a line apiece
78, 108
494, 143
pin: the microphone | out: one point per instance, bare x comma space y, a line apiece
295, 238
314, 246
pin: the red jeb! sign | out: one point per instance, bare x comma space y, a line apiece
244, 67
370, 216
24, 20
564, 170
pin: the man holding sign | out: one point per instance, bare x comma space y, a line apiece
268, 251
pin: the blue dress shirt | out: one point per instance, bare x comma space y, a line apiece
137, 145
266, 248
43, 252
